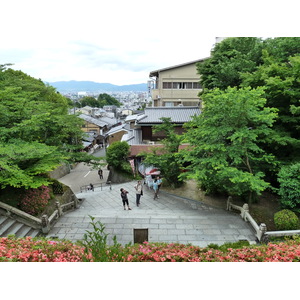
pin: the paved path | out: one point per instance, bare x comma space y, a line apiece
168, 219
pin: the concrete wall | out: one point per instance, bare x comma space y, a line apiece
60, 171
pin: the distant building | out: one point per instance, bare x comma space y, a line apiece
116, 133
176, 85
179, 115
94, 125
82, 94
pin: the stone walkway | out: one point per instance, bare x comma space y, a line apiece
168, 219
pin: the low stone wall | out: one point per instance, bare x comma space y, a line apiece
114, 177
60, 171
66, 197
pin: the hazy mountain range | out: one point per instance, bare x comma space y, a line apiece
90, 86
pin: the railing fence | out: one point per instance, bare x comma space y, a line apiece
261, 232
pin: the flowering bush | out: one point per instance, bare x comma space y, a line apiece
289, 251
35, 200
32, 250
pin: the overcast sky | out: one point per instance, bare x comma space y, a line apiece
122, 41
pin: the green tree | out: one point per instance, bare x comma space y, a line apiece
36, 132
289, 188
89, 101
117, 156
167, 158
281, 48
228, 60
274, 64
281, 81
225, 153
105, 99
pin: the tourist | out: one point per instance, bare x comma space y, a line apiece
91, 187
125, 198
155, 188
139, 192
100, 173
159, 182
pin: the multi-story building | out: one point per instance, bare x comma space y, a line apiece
177, 85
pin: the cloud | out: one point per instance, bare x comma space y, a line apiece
118, 41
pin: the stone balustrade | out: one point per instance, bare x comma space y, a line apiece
44, 223
261, 230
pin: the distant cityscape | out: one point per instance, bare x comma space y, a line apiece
131, 96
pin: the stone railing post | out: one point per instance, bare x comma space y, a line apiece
261, 233
244, 210
45, 224
229, 201
75, 201
59, 209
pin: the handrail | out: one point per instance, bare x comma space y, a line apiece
45, 222
261, 231
282, 233
86, 187
15, 211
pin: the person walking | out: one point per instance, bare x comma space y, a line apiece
100, 173
139, 192
125, 198
155, 189
159, 183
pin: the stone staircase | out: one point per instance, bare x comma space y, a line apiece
10, 226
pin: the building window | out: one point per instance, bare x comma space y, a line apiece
167, 85
182, 85
196, 86
189, 85
169, 104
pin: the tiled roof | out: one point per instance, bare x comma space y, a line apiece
132, 117
181, 114
133, 137
123, 127
92, 120
109, 121
155, 73
137, 149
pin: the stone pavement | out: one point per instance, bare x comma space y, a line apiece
168, 219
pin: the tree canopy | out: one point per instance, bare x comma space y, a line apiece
270, 65
228, 59
117, 156
102, 100
225, 153
36, 132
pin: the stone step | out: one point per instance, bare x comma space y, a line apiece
14, 227
33, 233
10, 226
23, 231
5, 225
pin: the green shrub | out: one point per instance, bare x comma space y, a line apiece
116, 157
95, 243
289, 189
286, 220
233, 245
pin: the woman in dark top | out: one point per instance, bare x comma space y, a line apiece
125, 198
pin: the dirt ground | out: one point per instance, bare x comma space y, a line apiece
262, 211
